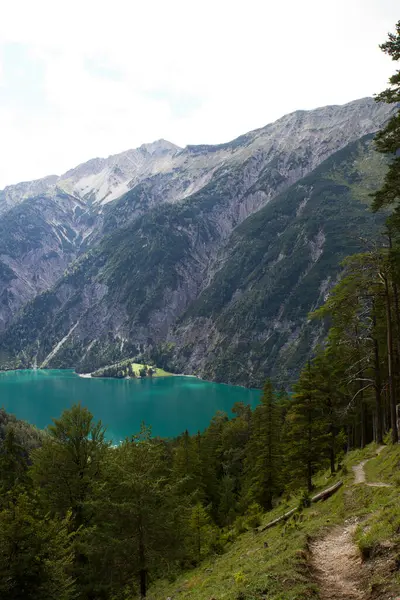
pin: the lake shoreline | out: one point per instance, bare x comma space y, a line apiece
90, 376
170, 405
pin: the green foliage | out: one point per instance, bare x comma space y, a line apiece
305, 500
388, 139
13, 463
129, 368
306, 431
202, 531
281, 570
254, 516
68, 464
187, 466
139, 519
35, 553
26, 435
263, 463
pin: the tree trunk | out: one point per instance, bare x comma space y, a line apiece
309, 459
198, 537
143, 583
363, 416
332, 461
142, 562
396, 340
268, 494
309, 476
349, 438
392, 395
321, 496
332, 449
378, 390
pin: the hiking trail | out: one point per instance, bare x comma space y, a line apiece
359, 473
335, 558
337, 564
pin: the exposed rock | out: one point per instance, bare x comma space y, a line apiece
213, 249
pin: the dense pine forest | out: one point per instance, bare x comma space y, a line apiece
80, 518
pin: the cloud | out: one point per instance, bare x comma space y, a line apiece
85, 79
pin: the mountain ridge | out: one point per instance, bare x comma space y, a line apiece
31, 188
146, 256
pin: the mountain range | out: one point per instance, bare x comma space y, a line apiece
205, 259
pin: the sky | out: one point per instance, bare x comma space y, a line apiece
87, 78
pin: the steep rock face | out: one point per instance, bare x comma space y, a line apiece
251, 322
99, 180
104, 179
154, 254
14, 194
39, 237
178, 173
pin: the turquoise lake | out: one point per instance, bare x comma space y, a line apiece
169, 404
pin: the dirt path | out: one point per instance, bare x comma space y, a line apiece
359, 473
335, 559
337, 564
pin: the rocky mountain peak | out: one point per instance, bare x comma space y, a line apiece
100, 180
104, 179
160, 147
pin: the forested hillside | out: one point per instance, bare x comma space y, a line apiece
81, 519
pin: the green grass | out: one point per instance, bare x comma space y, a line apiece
158, 372
386, 467
248, 571
123, 365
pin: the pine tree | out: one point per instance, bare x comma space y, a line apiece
187, 468
235, 435
68, 464
65, 472
327, 368
211, 461
227, 506
388, 140
361, 309
35, 552
202, 531
263, 465
13, 464
306, 430
139, 518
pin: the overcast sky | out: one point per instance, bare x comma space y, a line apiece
86, 78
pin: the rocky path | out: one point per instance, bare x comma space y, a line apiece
335, 559
359, 473
337, 563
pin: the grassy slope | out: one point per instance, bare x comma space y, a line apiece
248, 570
158, 372
136, 367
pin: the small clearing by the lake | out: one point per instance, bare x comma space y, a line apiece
156, 371
129, 369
